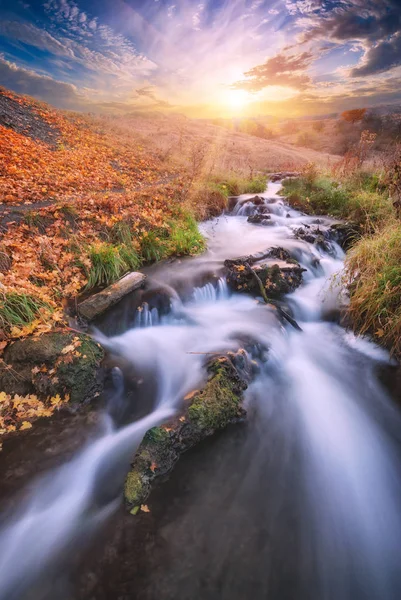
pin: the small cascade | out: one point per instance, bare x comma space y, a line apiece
145, 316
210, 292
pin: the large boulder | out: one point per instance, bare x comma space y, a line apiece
54, 363
206, 411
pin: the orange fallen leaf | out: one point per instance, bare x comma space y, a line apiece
145, 508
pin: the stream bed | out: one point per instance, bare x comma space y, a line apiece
301, 501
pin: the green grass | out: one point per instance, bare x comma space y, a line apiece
359, 199
153, 247
185, 237
235, 185
373, 268
19, 309
111, 260
107, 265
373, 265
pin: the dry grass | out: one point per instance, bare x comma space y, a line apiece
177, 138
374, 270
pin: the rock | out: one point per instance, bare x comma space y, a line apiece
283, 175
49, 365
277, 279
260, 219
316, 236
98, 303
214, 407
345, 234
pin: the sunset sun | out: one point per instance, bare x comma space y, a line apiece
236, 100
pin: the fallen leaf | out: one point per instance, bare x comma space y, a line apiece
25, 425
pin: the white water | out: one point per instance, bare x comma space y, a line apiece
323, 376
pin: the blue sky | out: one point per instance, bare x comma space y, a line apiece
204, 58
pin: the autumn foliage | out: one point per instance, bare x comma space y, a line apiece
66, 201
354, 115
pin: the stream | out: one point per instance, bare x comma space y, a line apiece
302, 501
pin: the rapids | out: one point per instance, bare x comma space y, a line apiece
308, 506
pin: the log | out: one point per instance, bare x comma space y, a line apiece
98, 303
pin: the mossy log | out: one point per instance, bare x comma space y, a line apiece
206, 411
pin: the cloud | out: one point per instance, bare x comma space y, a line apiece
24, 81
33, 36
371, 20
282, 70
374, 25
149, 91
380, 58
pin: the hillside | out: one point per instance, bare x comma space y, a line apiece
85, 199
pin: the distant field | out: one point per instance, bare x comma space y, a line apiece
179, 139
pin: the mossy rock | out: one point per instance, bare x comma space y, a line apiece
42, 366
214, 407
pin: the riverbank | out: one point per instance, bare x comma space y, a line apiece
373, 263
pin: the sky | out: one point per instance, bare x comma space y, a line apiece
217, 58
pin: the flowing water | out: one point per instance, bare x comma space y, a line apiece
302, 502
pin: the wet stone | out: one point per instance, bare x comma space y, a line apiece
277, 278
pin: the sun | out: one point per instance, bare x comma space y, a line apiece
237, 98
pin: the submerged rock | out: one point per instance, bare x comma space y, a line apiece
214, 407
260, 219
54, 363
277, 279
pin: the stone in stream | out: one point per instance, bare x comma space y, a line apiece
278, 278
260, 219
214, 407
54, 363
320, 238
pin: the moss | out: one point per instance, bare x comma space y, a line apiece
79, 378
134, 489
218, 403
156, 435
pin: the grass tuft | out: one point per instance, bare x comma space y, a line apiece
107, 265
18, 310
